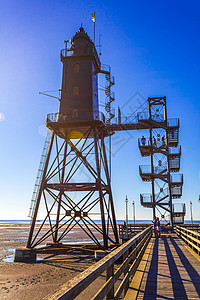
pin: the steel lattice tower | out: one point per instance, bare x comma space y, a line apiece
73, 201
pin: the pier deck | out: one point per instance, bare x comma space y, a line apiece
168, 270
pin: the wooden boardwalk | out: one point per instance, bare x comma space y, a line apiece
168, 270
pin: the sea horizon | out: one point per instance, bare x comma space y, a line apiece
149, 221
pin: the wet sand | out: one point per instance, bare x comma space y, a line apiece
34, 281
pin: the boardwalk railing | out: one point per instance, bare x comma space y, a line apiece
194, 227
128, 231
190, 237
129, 256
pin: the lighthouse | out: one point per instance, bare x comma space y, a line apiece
79, 93
63, 198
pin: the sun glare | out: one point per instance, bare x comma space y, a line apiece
2, 117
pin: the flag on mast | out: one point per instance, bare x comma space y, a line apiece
93, 17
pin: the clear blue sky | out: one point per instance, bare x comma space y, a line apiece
153, 48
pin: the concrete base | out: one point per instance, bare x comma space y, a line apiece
54, 244
29, 255
25, 255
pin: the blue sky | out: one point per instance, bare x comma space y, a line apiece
152, 47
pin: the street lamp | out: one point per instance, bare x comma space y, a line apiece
126, 201
133, 212
191, 212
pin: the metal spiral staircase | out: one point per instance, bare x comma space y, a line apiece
164, 151
110, 96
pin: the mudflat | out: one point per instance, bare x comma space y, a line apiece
25, 281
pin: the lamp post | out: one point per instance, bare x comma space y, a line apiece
133, 213
191, 212
126, 201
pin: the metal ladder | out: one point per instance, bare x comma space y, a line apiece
40, 173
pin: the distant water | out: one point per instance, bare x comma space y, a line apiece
14, 221
97, 221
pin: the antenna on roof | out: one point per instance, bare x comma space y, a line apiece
99, 46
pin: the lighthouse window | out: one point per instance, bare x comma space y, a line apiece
75, 113
75, 90
76, 68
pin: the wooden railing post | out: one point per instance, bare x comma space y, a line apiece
110, 273
125, 272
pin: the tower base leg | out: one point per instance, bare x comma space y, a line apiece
25, 255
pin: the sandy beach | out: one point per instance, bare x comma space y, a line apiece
34, 281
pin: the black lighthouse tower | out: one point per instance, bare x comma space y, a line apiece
81, 64
73, 183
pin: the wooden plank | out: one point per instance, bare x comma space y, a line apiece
131, 270
191, 251
136, 282
171, 272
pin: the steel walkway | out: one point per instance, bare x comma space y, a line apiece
168, 270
